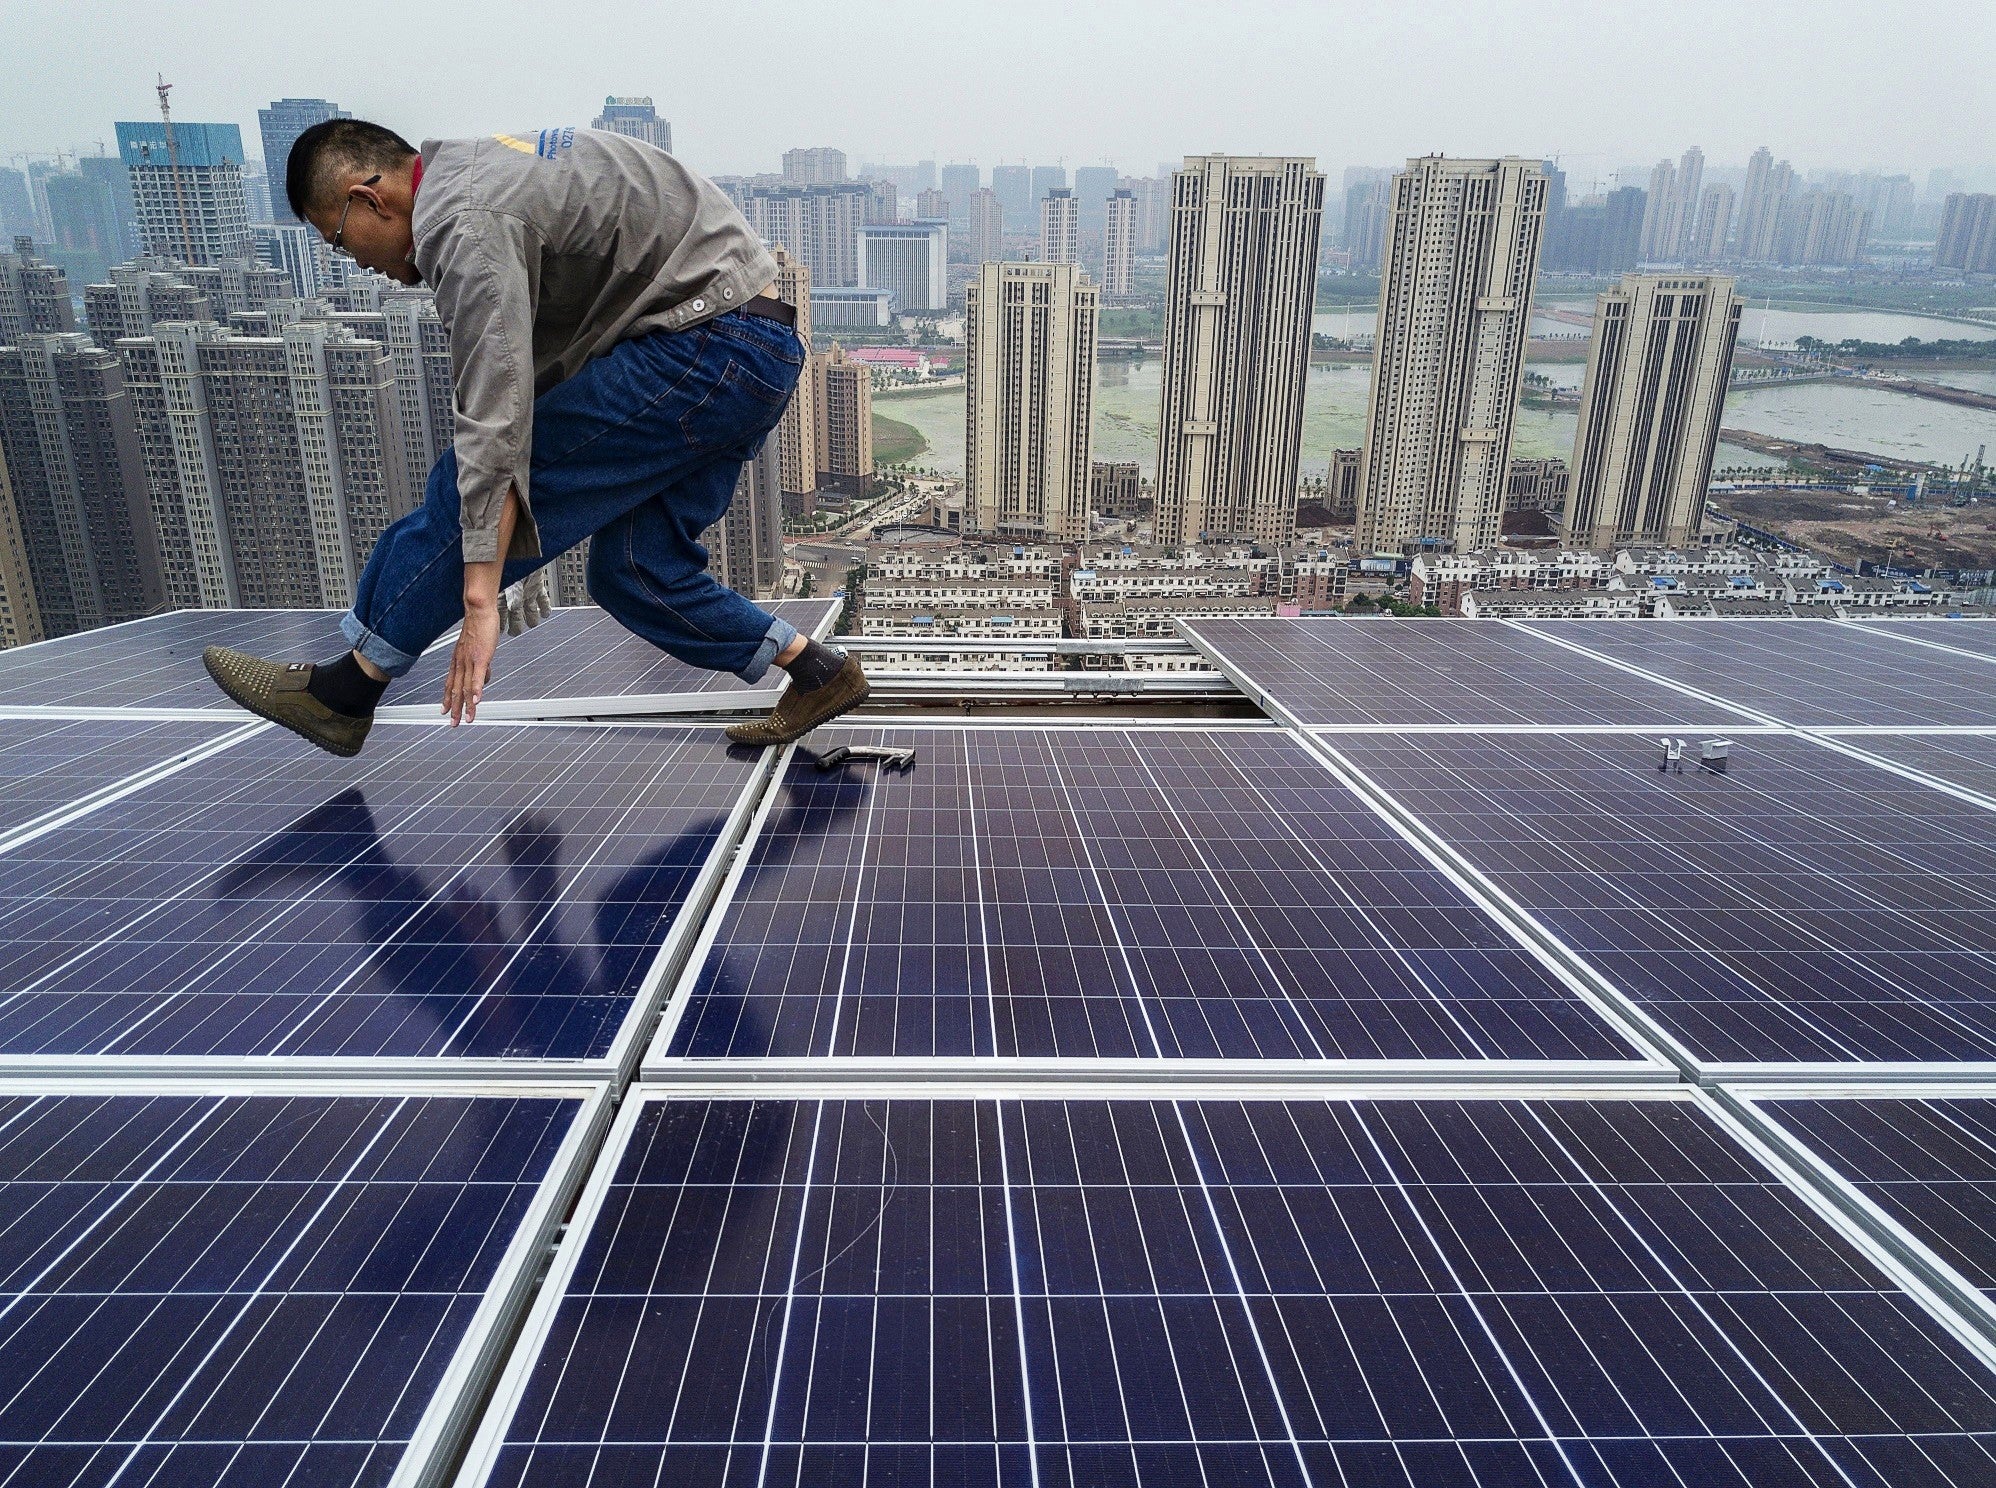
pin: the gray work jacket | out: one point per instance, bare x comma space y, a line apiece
546, 249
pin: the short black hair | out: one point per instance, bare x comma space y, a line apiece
334, 145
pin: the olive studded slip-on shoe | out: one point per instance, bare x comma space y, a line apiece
276, 690
798, 711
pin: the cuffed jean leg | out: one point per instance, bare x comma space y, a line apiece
412, 589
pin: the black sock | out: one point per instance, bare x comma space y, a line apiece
342, 686
815, 665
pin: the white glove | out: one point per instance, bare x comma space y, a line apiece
525, 604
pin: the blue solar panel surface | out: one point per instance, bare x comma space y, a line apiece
1327, 672
1107, 893
498, 891
246, 1290
1804, 672
156, 662
585, 653
1805, 906
1930, 1164
1966, 760
47, 763
1978, 636
1094, 1293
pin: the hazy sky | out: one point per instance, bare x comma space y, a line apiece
1857, 83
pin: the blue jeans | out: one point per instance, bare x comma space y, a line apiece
640, 449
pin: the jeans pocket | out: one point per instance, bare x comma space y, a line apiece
738, 405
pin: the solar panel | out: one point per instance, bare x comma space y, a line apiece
1966, 760
1805, 906
1929, 1164
585, 658
1804, 672
1084, 1292
1331, 672
1107, 893
49, 763
1978, 636
156, 662
261, 1289
499, 892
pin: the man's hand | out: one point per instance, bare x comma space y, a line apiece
471, 663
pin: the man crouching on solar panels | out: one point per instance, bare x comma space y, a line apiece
618, 353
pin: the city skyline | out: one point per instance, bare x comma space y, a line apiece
1420, 81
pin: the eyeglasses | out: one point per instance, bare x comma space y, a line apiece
340, 232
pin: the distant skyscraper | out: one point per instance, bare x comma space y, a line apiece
117, 180
1671, 210
71, 445
20, 616
883, 202
1093, 186
1449, 361
34, 296
1967, 243
280, 125
297, 250
1060, 227
199, 214
1013, 185
83, 222
933, 205
1365, 221
1153, 197
842, 394
1029, 397
819, 166
797, 433
141, 295
909, 259
1714, 226
1622, 230
959, 181
17, 206
818, 224
984, 240
1768, 186
1046, 178
1820, 229
635, 117
1649, 411
1119, 244
746, 546
1239, 292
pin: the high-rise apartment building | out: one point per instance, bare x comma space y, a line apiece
17, 205
1029, 400
298, 252
1670, 219
1819, 228
1713, 231
1013, 185
1365, 219
797, 432
818, 166
984, 238
1119, 244
1093, 186
1967, 243
635, 117
933, 205
188, 193
111, 172
1047, 178
20, 617
1153, 198
1449, 359
1060, 227
883, 202
1768, 187
71, 445
745, 548
908, 259
1649, 411
138, 296
83, 226
280, 125
1240, 287
34, 296
842, 398
819, 225
959, 182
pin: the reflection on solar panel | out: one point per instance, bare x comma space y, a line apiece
156, 662
494, 892
47, 763
1978, 636
1804, 672
1105, 893
1930, 1164
585, 653
1083, 1293
1805, 906
1966, 760
1420, 672
257, 1289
